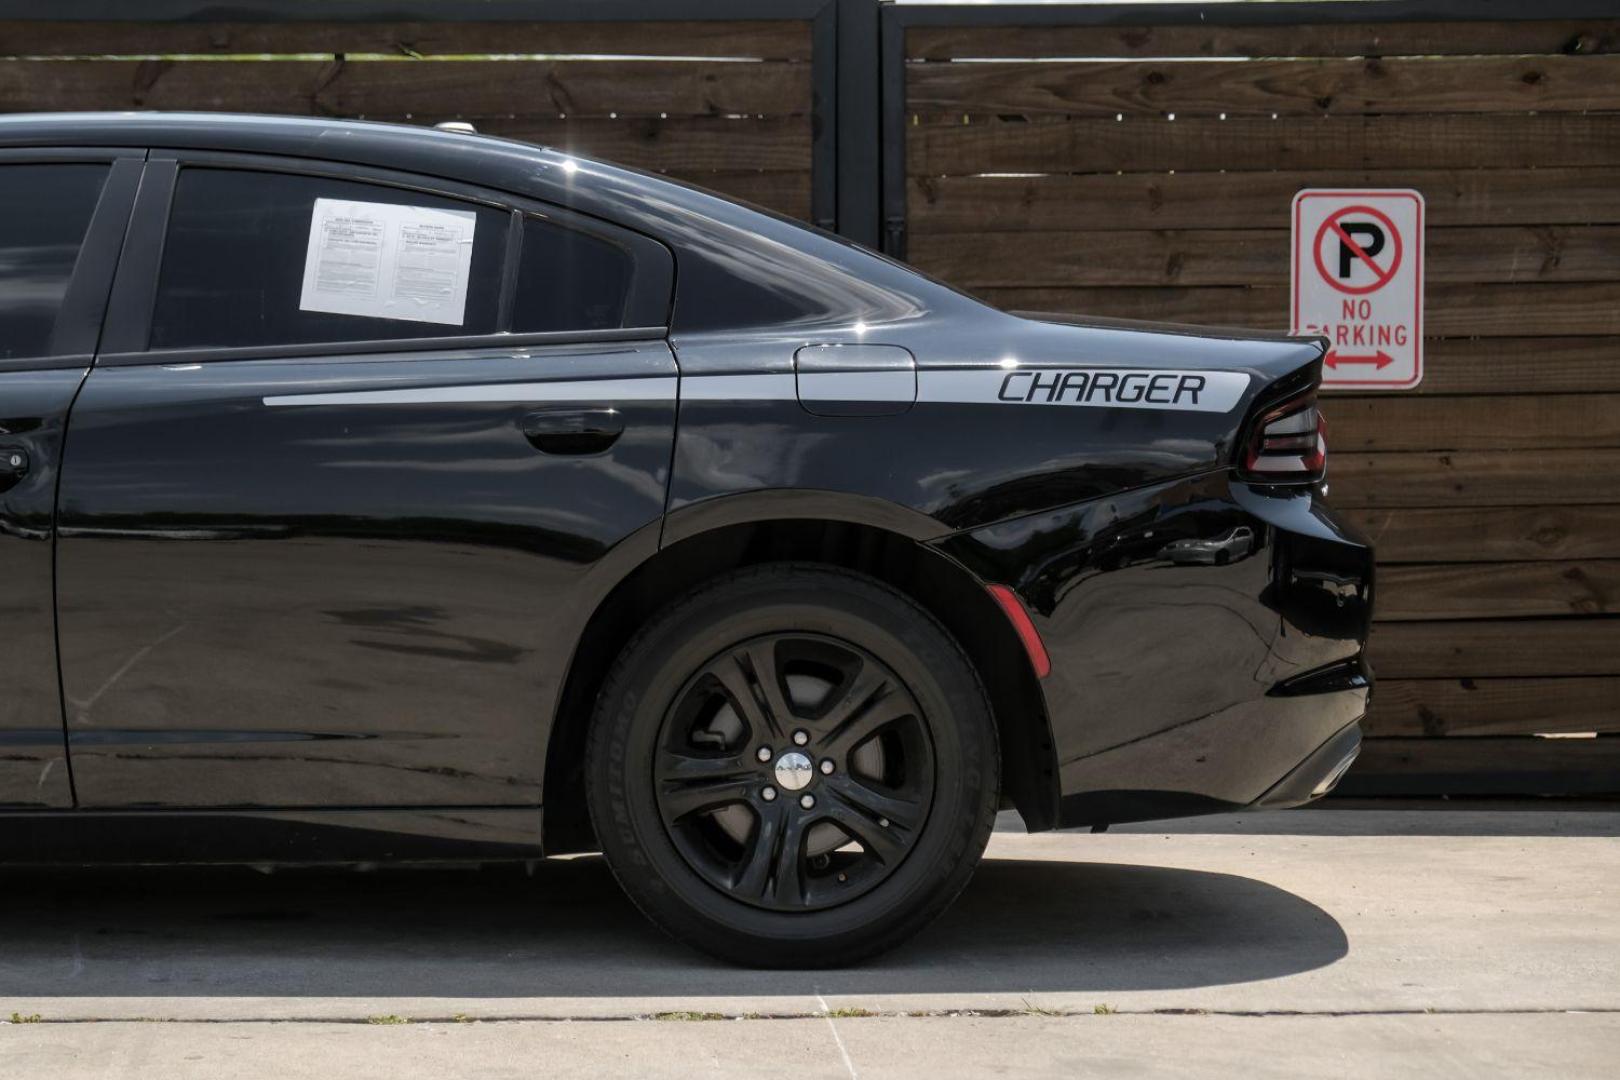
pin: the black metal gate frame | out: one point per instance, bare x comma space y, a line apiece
858, 56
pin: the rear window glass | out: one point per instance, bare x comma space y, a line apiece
569, 280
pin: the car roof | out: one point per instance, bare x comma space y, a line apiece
135, 125
464, 156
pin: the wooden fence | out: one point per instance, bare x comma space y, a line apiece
1118, 161
1152, 179
726, 104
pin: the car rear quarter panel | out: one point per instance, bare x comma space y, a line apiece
965, 462
1173, 602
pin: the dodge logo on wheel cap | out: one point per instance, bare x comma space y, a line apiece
793, 770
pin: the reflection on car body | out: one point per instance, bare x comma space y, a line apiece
1233, 544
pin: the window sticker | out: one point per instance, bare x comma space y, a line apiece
381, 261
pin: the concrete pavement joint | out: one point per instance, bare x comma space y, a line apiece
832, 1025
823, 1014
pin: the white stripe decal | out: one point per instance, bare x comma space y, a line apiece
1116, 388
1121, 388
604, 390
771, 386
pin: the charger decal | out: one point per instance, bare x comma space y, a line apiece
1117, 388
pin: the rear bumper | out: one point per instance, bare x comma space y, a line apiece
1316, 775
1206, 640
1256, 761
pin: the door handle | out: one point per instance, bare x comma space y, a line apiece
13, 466
572, 430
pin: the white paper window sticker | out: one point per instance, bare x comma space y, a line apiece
381, 261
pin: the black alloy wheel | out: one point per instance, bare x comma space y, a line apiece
793, 766
794, 771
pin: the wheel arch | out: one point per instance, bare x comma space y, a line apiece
692, 555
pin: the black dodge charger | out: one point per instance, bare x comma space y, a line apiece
370, 492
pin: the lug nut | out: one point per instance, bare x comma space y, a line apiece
807, 801
763, 753
826, 767
768, 794
800, 738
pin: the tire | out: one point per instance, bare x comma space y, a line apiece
678, 791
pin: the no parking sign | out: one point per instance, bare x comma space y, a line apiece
1358, 281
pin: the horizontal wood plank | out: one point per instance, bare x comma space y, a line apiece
1467, 707
684, 145
1239, 143
1530, 422
1452, 534
1248, 200
1512, 310
770, 40
1513, 365
1504, 253
1450, 310
437, 89
1261, 87
1409, 593
1475, 478
1487, 766
1459, 38
1498, 648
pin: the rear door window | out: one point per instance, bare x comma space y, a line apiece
269, 258
44, 213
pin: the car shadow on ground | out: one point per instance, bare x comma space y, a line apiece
1398, 817
567, 932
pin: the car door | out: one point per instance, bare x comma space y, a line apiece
358, 456
62, 217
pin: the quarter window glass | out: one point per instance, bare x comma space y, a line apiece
234, 264
569, 280
44, 212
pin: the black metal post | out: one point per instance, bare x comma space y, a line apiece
824, 117
892, 108
859, 130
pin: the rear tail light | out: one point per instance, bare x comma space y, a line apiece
1288, 444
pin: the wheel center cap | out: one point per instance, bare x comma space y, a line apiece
794, 770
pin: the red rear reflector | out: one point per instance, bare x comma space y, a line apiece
1013, 608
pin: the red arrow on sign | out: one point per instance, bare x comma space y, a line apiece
1379, 359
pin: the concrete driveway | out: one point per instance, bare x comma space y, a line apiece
1347, 942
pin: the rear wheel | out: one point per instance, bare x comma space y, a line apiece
794, 766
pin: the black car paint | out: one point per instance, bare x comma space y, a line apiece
35, 396
204, 537
335, 605
1170, 688
33, 753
